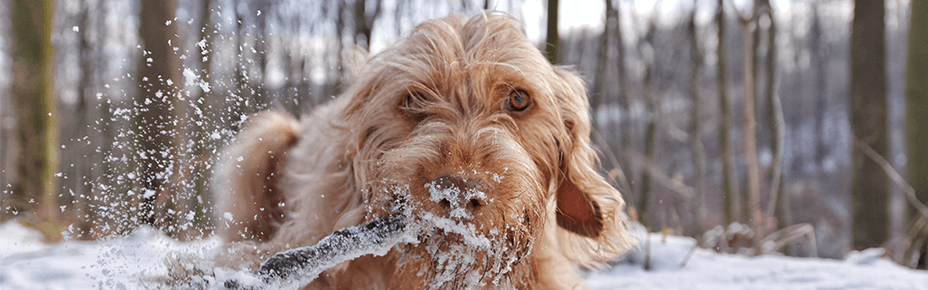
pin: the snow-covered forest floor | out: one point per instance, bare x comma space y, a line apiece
137, 262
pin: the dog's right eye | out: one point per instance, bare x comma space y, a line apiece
413, 104
414, 100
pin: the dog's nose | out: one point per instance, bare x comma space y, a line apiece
459, 196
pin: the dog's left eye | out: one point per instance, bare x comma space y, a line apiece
519, 100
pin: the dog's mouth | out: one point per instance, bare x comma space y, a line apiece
451, 245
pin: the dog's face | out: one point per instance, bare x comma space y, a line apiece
483, 141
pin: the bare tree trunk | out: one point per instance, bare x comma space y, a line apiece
870, 185
599, 83
552, 42
81, 188
37, 119
197, 202
752, 197
160, 113
728, 186
364, 22
696, 146
243, 98
821, 84
917, 106
775, 123
652, 119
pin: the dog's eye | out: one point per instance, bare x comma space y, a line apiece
519, 100
414, 100
413, 104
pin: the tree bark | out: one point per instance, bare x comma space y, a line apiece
696, 146
36, 117
160, 114
917, 106
599, 83
552, 42
752, 197
870, 185
775, 126
364, 23
728, 186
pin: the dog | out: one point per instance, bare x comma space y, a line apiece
466, 123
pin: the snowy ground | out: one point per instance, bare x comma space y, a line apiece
134, 262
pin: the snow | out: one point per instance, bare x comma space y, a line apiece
137, 261
707, 269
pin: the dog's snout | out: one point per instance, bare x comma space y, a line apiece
455, 193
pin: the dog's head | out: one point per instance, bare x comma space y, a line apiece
488, 144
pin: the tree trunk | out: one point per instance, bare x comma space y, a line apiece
775, 127
917, 106
696, 146
552, 43
599, 82
84, 177
820, 58
728, 186
651, 124
243, 99
870, 185
752, 196
364, 23
37, 119
159, 111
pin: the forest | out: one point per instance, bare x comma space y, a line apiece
754, 126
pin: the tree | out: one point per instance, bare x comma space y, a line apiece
775, 126
752, 188
696, 146
552, 43
36, 117
870, 185
160, 114
364, 22
728, 186
599, 83
917, 106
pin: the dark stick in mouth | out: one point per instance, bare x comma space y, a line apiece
297, 267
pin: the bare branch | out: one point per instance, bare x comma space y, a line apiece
894, 175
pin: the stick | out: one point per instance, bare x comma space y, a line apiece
297, 267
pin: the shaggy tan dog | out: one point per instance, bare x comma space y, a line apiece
468, 124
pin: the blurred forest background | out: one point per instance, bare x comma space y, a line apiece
756, 126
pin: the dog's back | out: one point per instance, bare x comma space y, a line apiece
249, 200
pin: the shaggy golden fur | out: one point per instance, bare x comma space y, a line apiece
467, 123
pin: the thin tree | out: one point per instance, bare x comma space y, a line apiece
820, 59
775, 125
917, 106
869, 184
87, 59
552, 41
364, 22
728, 186
696, 146
599, 83
752, 196
645, 191
157, 124
36, 116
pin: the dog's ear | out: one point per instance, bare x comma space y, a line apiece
577, 212
577, 209
589, 210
